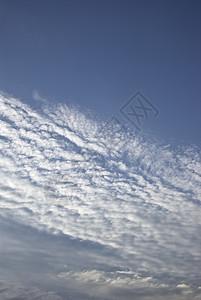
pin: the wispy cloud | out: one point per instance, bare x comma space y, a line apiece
10, 291
36, 96
65, 173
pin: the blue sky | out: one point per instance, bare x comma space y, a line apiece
89, 210
98, 54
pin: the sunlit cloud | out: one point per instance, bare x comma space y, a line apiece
60, 172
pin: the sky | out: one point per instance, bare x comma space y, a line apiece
98, 54
100, 162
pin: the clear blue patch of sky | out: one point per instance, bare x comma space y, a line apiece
97, 54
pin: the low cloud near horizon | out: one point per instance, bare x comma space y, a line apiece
89, 213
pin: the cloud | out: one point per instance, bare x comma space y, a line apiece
116, 278
14, 292
65, 173
36, 96
183, 286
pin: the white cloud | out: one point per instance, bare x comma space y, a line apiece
61, 172
117, 278
183, 286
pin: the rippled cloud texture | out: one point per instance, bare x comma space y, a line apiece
87, 212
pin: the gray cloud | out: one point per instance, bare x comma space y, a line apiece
9, 291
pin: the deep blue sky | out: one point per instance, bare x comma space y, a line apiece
97, 54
